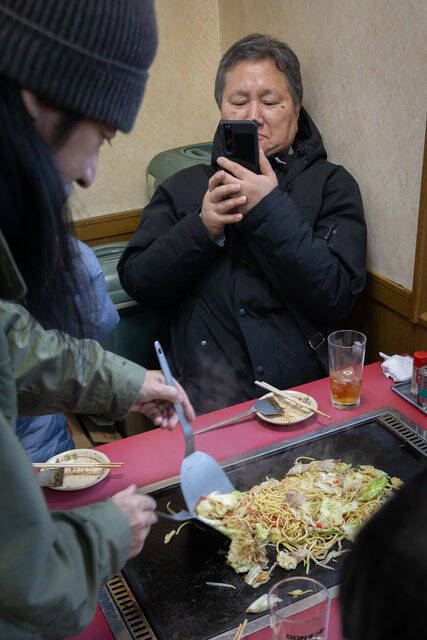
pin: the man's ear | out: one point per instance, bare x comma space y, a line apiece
32, 104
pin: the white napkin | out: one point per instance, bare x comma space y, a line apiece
397, 367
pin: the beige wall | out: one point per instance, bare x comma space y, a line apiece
178, 107
365, 85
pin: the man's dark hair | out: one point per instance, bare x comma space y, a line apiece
384, 577
260, 47
35, 219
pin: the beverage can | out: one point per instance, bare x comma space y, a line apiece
420, 359
422, 386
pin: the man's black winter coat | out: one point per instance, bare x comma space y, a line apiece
229, 322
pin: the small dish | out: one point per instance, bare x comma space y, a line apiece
292, 414
81, 480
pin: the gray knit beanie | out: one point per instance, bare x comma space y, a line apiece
90, 56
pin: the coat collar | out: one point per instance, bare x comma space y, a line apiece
308, 144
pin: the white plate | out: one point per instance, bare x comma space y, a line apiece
85, 480
293, 414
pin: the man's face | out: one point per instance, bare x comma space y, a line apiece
257, 90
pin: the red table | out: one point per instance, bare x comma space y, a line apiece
157, 454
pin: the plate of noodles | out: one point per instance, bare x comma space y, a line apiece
302, 518
80, 477
291, 414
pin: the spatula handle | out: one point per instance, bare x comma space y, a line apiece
227, 421
162, 514
185, 425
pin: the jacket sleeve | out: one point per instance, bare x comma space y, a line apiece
167, 252
103, 313
51, 564
55, 372
322, 268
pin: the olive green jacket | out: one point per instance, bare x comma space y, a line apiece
52, 564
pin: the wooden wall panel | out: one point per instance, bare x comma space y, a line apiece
115, 227
389, 294
420, 269
386, 329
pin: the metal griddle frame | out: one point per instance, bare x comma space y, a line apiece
120, 607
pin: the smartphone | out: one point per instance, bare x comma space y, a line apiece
239, 142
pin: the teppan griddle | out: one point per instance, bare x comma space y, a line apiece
162, 593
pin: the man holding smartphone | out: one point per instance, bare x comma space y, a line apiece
252, 268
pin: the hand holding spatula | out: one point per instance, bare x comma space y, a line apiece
200, 473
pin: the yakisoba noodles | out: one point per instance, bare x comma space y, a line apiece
318, 504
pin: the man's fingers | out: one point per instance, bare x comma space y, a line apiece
232, 167
216, 180
226, 205
223, 191
232, 218
230, 179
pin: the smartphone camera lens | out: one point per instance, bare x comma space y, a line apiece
228, 139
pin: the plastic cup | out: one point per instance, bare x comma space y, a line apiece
346, 357
299, 609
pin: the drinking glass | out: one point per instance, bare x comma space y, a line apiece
299, 609
346, 356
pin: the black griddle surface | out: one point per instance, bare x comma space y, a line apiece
168, 580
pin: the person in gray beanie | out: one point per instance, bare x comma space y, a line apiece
72, 72
91, 57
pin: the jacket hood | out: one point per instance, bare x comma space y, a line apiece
308, 140
308, 143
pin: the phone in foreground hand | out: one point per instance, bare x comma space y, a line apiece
239, 142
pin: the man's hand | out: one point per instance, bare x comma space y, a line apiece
219, 201
156, 399
252, 185
139, 511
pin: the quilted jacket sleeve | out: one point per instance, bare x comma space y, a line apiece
170, 247
322, 268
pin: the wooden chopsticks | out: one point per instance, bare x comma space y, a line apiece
240, 629
290, 399
77, 465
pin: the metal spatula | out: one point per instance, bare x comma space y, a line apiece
265, 406
183, 516
200, 473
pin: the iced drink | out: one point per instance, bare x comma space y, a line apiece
346, 358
